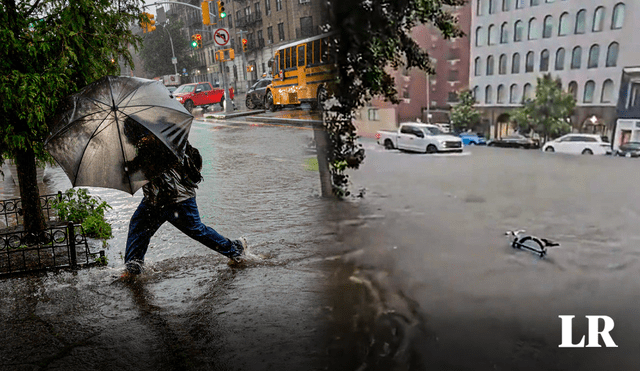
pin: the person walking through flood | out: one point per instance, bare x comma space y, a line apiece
169, 196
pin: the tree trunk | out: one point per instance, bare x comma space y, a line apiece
29, 192
322, 150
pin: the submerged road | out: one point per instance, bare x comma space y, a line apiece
433, 249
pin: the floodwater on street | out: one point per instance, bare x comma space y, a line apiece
190, 310
433, 251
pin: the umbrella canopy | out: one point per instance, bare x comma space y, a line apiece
118, 133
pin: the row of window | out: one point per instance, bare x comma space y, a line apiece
564, 26
481, 5
606, 96
545, 55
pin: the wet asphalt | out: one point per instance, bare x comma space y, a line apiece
415, 275
190, 310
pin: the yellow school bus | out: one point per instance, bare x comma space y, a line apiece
303, 72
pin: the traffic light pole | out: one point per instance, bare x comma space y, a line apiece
244, 58
228, 104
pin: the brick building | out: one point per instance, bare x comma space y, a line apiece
451, 61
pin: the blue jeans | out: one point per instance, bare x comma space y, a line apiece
184, 216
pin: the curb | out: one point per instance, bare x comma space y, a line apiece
223, 116
281, 120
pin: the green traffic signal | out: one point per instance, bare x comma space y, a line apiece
194, 44
223, 14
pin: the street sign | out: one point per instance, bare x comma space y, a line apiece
184, 70
174, 60
221, 36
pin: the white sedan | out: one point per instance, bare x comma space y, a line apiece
585, 144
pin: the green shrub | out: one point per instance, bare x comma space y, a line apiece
79, 207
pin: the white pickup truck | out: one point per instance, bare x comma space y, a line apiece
419, 137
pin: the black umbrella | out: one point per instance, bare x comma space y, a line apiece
118, 133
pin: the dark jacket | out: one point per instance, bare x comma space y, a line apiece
170, 187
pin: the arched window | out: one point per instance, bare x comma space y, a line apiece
528, 67
544, 61
581, 21
573, 89
576, 58
477, 66
502, 64
618, 16
479, 36
491, 35
475, 93
518, 31
612, 54
598, 19
560, 59
506, 5
519, 4
515, 63
513, 94
564, 26
502, 94
589, 89
548, 27
534, 2
607, 91
594, 54
527, 92
504, 33
533, 29
488, 94
479, 7
490, 65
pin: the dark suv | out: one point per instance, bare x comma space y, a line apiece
255, 95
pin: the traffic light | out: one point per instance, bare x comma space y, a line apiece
249, 68
194, 42
199, 40
225, 55
244, 45
151, 25
147, 23
221, 12
206, 18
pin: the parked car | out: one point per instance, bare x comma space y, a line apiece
200, 94
469, 139
255, 95
514, 141
629, 149
419, 137
586, 144
172, 89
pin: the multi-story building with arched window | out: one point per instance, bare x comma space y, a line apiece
586, 43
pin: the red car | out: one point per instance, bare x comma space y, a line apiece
200, 94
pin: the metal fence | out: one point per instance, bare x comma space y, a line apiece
11, 210
64, 246
60, 245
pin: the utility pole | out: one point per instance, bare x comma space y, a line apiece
428, 102
173, 54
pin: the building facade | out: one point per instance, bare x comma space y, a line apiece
265, 24
586, 43
432, 103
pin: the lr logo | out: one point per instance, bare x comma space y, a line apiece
567, 341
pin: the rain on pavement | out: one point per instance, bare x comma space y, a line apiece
190, 311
